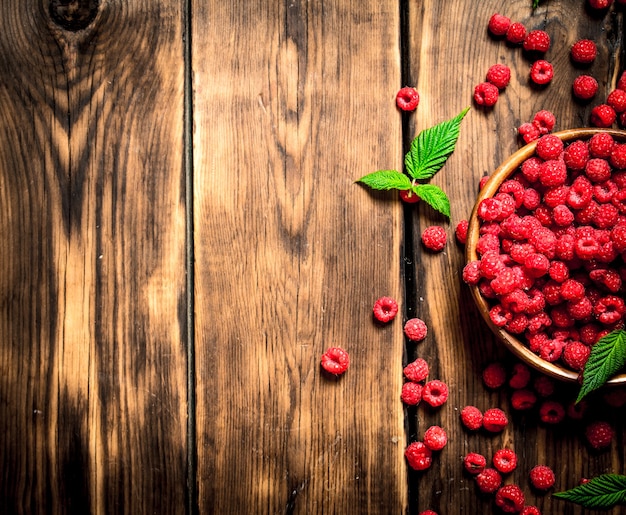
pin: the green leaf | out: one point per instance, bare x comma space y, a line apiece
607, 357
535, 4
604, 491
431, 148
386, 180
434, 196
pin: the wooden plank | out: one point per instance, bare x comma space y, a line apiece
293, 101
449, 55
92, 270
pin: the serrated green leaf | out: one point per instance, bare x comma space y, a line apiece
607, 357
432, 147
386, 180
434, 196
604, 491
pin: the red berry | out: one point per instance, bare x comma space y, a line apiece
409, 196
600, 4
621, 83
617, 100
505, 460
474, 463
417, 370
499, 75
407, 99
494, 420
537, 41
434, 238
542, 477
529, 132
585, 87
460, 231
418, 456
599, 435
428, 512
601, 144
544, 386
415, 329
411, 393
435, 438
603, 116
516, 33
583, 51
541, 72
494, 375
549, 147
618, 156
523, 399
551, 412
486, 94
510, 499
435, 393
472, 418
499, 24
544, 120
576, 354
385, 309
520, 376
530, 510
553, 173
489, 480
335, 360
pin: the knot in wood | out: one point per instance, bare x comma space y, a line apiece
73, 15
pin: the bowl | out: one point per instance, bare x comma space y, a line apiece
503, 172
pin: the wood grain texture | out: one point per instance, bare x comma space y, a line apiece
449, 55
92, 269
293, 102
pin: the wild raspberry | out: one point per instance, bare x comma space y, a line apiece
385, 309
417, 370
528, 132
551, 412
549, 147
618, 156
411, 393
520, 376
435, 393
486, 94
460, 231
418, 456
553, 173
474, 463
499, 24
542, 477
598, 170
409, 196
505, 460
435, 438
576, 155
335, 360
585, 87
537, 41
516, 33
575, 355
544, 120
434, 238
407, 99
499, 75
530, 510
617, 100
523, 399
510, 499
489, 480
583, 51
599, 435
541, 72
494, 420
602, 115
472, 418
494, 375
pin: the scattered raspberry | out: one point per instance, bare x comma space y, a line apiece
474, 463
494, 375
576, 410
435, 438
435, 393
407, 99
602, 115
489, 480
544, 120
415, 329
530, 510
600, 4
516, 33
585, 87
510, 499
416, 371
551, 412
486, 94
541, 72
523, 399
494, 420
411, 393
520, 376
499, 75
409, 196
461, 231
472, 418
428, 512
505, 460
617, 100
542, 477
537, 41
599, 435
335, 360
418, 456
434, 238
385, 309
583, 51
544, 386
483, 181
499, 24
529, 132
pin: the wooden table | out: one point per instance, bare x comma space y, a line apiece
183, 238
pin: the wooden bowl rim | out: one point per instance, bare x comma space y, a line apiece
490, 188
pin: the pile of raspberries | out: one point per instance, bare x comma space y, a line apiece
552, 245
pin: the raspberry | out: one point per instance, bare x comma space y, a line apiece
411, 393
499, 75
494, 420
416, 371
494, 375
486, 94
531, 168
434, 238
551, 412
530, 510
471, 272
435, 438
520, 376
505, 460
618, 156
599, 435
562, 215
576, 156
489, 243
600, 4
483, 181
418, 456
544, 386
537, 41
428, 512
407, 99
472, 418
617, 100
516, 33
474, 463
505, 281
580, 309
571, 289
598, 170
585, 87
536, 265
605, 216
499, 24
609, 310
489, 480
549, 147
583, 51
586, 247
529, 132
415, 329
409, 196
335, 360
608, 278
435, 393
575, 355
553, 173
602, 115
544, 120
542, 477
580, 192
385, 309
601, 145
510, 499
576, 410
618, 237
523, 399
551, 350
460, 232
541, 72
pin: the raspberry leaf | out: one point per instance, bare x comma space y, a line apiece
386, 180
434, 196
607, 357
432, 147
604, 491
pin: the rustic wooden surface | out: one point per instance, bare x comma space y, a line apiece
184, 238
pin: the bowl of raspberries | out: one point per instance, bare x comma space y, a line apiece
546, 248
